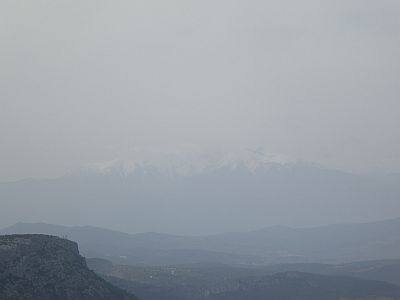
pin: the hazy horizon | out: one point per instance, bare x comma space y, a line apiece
133, 232
89, 81
188, 154
257, 143
84, 84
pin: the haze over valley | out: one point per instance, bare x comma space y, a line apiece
200, 150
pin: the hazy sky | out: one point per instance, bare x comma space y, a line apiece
84, 81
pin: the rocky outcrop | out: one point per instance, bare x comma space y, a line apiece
42, 267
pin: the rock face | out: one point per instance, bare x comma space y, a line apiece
42, 267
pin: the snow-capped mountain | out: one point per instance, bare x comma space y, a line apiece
200, 192
187, 163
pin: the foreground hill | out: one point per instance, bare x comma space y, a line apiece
327, 244
218, 282
39, 267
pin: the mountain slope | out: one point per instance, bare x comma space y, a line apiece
39, 267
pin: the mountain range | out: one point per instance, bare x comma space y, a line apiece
326, 244
202, 193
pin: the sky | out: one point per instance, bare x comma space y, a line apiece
90, 80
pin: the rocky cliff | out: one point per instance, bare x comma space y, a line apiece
42, 267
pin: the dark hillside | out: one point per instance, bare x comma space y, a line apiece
41, 267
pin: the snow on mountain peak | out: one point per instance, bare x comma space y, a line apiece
189, 163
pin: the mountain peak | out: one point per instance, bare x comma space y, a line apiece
186, 163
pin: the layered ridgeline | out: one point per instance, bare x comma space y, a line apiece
197, 275
202, 193
326, 244
219, 282
40, 267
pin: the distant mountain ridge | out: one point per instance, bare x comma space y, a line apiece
177, 193
380, 270
326, 244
